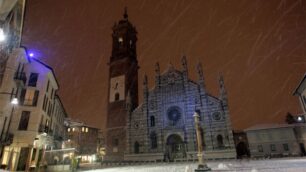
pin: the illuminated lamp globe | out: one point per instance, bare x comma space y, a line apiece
2, 35
14, 101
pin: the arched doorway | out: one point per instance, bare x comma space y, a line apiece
136, 147
242, 150
220, 141
175, 147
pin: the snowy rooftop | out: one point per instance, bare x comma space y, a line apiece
268, 126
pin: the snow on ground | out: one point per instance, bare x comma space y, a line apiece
271, 165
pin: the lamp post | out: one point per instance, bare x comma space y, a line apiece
202, 166
5, 141
14, 101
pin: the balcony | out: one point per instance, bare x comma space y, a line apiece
7, 141
41, 128
20, 79
44, 129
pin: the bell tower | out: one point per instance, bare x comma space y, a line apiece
123, 81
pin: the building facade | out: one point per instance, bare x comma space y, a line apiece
162, 127
84, 138
12, 82
300, 91
11, 22
35, 120
275, 140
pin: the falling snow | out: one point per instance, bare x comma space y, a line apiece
258, 45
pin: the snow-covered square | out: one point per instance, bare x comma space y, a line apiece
267, 165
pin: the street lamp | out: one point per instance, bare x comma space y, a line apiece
2, 35
14, 102
202, 166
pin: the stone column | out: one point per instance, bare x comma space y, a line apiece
202, 166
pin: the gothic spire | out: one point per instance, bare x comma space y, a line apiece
201, 75
125, 15
223, 94
200, 71
128, 101
170, 67
157, 69
184, 63
145, 81
145, 88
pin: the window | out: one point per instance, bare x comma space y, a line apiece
153, 138
174, 115
273, 148
115, 142
120, 40
29, 97
86, 130
83, 129
33, 79
286, 147
48, 86
44, 103
117, 96
260, 148
220, 141
49, 107
52, 93
68, 130
136, 147
152, 119
24, 120
216, 116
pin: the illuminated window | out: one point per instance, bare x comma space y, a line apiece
68, 129
6, 155
29, 97
83, 129
86, 130
73, 129
120, 40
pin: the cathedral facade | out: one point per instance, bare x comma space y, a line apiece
162, 127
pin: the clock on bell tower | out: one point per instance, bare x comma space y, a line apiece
123, 81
